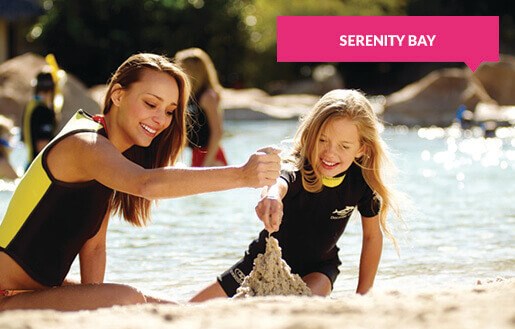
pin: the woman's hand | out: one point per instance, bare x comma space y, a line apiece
262, 168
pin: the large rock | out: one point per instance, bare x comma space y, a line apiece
433, 100
16, 75
498, 79
323, 78
255, 104
248, 104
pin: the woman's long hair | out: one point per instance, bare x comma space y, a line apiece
201, 70
354, 106
165, 147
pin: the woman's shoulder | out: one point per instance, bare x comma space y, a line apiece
209, 97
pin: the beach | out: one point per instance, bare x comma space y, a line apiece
487, 304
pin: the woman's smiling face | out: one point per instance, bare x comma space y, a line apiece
146, 107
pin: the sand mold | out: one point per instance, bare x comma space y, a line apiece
271, 276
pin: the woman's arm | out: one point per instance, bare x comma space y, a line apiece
88, 156
270, 208
210, 102
92, 256
370, 253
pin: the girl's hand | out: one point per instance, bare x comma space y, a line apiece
270, 211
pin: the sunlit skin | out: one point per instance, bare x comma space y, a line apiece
135, 114
338, 146
150, 103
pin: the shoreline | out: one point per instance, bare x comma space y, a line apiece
485, 305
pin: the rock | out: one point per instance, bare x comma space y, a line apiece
255, 104
324, 78
498, 79
16, 90
98, 93
433, 100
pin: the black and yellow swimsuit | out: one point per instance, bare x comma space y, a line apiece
48, 221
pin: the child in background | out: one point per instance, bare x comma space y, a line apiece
339, 159
39, 121
6, 170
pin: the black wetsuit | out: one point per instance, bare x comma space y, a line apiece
48, 220
199, 131
311, 226
39, 122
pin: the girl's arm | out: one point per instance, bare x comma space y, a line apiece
370, 253
88, 156
92, 256
210, 102
270, 208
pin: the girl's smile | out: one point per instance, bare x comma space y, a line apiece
338, 146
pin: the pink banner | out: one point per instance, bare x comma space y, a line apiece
469, 39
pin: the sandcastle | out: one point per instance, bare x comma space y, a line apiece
272, 276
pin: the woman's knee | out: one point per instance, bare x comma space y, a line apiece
126, 295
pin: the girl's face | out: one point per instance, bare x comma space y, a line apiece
145, 108
338, 146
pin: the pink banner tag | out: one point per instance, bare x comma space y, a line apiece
469, 39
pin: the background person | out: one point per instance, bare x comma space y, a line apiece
39, 120
206, 129
7, 172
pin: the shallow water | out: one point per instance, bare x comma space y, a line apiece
461, 227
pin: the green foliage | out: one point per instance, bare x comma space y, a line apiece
90, 38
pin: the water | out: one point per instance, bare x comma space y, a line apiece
462, 228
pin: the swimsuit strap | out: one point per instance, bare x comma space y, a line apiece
100, 119
12, 292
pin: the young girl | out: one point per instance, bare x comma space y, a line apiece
204, 108
339, 159
96, 166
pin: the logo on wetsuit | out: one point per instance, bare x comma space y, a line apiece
238, 275
339, 214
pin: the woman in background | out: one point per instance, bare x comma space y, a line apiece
206, 128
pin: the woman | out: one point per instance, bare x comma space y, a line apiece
101, 165
204, 108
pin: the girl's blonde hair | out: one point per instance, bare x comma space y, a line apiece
200, 68
352, 105
165, 147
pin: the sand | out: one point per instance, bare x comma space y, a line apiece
489, 305
271, 276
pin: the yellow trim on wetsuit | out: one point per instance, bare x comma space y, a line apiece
34, 184
332, 181
28, 193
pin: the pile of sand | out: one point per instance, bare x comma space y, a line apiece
272, 276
